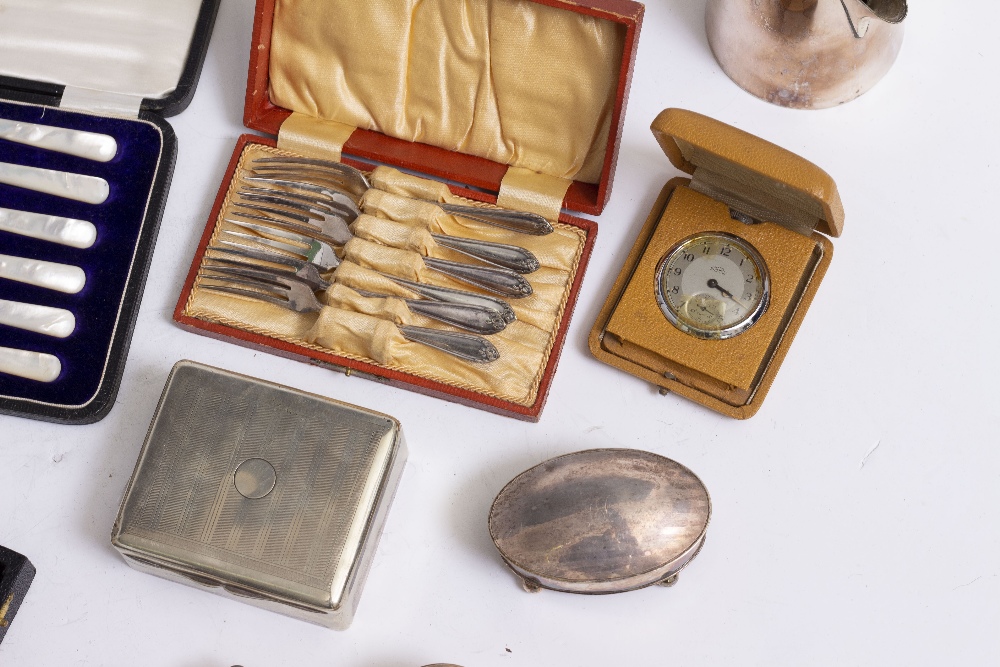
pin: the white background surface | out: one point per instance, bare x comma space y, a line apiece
855, 517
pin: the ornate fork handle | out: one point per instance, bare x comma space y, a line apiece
464, 346
499, 281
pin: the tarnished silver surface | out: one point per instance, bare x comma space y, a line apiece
89, 145
293, 170
806, 54
56, 229
87, 189
261, 492
29, 365
289, 292
601, 521
327, 226
496, 279
45, 320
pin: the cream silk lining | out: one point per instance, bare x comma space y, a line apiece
316, 138
364, 328
513, 81
130, 47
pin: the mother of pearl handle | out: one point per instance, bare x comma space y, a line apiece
31, 365
60, 277
89, 145
64, 231
55, 322
88, 189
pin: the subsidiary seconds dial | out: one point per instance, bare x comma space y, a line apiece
713, 285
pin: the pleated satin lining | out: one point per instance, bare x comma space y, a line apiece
364, 329
513, 81
131, 47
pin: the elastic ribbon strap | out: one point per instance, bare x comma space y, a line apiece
313, 137
526, 190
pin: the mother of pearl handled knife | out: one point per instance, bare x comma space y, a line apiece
55, 322
59, 277
89, 145
31, 365
88, 189
64, 231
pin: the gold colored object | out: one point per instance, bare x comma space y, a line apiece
3, 611
601, 521
519, 83
806, 54
766, 202
261, 493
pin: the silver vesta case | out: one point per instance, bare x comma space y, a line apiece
261, 493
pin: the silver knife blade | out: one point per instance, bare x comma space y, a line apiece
50, 275
88, 189
89, 145
64, 231
55, 322
30, 365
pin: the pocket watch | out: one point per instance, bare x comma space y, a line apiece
713, 285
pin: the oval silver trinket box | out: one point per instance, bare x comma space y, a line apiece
601, 521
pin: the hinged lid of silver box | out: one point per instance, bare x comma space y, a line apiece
262, 492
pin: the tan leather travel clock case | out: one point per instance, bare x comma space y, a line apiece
744, 192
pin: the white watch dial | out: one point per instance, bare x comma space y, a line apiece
713, 285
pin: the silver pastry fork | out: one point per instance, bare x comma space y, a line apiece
492, 279
310, 273
298, 297
335, 227
468, 317
290, 170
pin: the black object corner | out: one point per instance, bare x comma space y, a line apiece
178, 100
16, 575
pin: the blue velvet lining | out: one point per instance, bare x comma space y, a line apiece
107, 263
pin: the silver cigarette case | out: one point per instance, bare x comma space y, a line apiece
262, 493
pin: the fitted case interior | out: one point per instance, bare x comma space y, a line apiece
516, 82
108, 264
487, 93
742, 185
137, 48
469, 92
113, 67
364, 329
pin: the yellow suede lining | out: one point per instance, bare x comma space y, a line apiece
364, 328
513, 81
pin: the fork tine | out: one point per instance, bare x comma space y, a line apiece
356, 175
299, 297
292, 230
240, 250
286, 198
279, 245
332, 196
259, 296
331, 228
274, 211
333, 180
317, 252
307, 274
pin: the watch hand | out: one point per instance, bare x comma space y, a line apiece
714, 284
